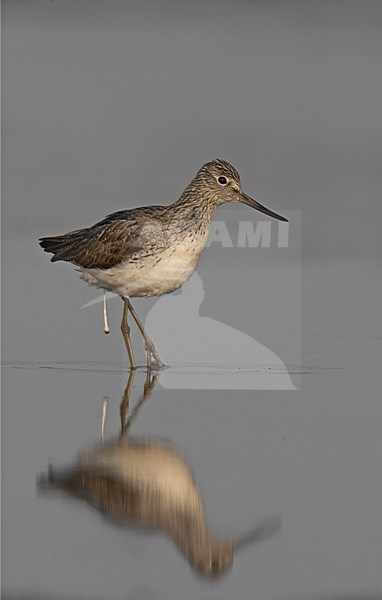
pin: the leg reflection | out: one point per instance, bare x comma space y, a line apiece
148, 387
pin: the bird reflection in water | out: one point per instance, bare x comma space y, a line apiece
146, 483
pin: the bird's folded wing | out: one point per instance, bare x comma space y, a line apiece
102, 246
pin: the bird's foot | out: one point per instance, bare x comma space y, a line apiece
153, 360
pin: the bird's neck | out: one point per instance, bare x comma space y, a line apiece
196, 205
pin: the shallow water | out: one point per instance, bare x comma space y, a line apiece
310, 457
110, 105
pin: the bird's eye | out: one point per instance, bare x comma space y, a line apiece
222, 180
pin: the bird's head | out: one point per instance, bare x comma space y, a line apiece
219, 182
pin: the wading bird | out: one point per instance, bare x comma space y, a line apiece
151, 250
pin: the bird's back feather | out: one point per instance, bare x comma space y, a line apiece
105, 244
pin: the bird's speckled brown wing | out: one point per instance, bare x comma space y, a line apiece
106, 244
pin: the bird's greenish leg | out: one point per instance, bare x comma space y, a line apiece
149, 346
126, 333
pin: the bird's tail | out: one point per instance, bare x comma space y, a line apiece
62, 246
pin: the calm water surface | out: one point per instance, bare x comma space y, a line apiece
310, 458
110, 105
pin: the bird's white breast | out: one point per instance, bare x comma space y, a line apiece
152, 275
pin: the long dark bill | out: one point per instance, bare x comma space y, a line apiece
254, 204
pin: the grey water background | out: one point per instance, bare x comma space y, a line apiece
114, 104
